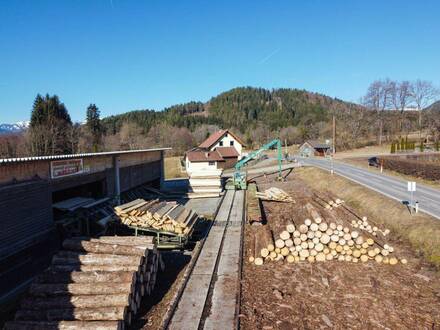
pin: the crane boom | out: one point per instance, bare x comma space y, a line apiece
239, 178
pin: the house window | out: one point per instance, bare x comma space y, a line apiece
221, 144
231, 143
211, 163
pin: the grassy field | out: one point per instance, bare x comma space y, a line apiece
173, 168
363, 162
364, 152
421, 231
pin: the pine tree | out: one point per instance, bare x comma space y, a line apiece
49, 127
93, 123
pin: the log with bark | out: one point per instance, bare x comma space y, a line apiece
263, 238
64, 325
44, 289
68, 257
78, 301
80, 245
51, 276
72, 314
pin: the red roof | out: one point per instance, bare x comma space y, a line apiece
214, 137
203, 156
227, 152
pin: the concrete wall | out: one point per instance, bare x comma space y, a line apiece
226, 143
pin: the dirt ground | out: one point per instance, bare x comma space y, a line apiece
335, 294
155, 306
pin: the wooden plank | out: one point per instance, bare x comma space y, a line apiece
190, 308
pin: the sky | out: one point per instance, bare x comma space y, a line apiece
127, 55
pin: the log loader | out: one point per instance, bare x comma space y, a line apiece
239, 177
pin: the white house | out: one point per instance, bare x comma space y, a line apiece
200, 160
220, 150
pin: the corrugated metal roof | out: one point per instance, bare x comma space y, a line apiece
92, 154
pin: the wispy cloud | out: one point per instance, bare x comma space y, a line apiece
111, 4
267, 58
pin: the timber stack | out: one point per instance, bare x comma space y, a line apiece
275, 194
169, 217
205, 183
91, 284
319, 240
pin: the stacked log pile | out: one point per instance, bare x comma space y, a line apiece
318, 241
91, 284
205, 183
275, 194
361, 223
165, 216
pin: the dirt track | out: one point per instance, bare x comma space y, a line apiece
335, 294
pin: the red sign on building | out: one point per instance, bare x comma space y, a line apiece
61, 168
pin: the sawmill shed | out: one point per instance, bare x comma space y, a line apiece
33, 189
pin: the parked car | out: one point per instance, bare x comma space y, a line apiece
373, 161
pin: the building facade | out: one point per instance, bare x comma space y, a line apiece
221, 150
29, 188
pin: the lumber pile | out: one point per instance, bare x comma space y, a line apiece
275, 194
91, 284
205, 183
319, 241
170, 217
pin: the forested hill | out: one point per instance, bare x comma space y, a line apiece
242, 109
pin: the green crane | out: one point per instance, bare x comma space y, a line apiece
239, 178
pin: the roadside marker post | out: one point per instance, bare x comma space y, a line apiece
412, 189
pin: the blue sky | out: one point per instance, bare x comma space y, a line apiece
126, 55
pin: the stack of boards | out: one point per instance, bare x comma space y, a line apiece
91, 284
205, 183
319, 240
275, 194
169, 217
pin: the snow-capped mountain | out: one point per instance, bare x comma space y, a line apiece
14, 128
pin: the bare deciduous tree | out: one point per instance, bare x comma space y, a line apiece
131, 136
378, 98
423, 93
400, 97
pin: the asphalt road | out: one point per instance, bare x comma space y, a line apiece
428, 198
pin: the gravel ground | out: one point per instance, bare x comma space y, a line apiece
334, 294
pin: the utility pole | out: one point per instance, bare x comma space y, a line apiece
334, 135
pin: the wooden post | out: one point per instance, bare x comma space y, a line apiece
334, 134
117, 180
